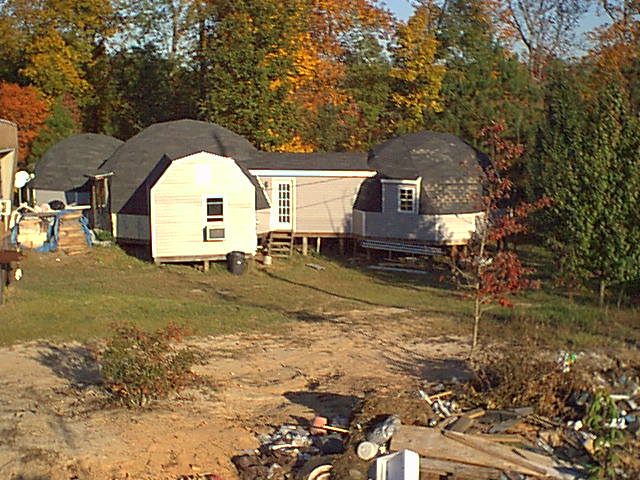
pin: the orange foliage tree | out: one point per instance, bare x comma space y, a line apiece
617, 42
24, 107
317, 79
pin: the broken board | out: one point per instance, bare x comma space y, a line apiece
465, 449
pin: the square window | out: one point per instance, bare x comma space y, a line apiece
215, 209
406, 199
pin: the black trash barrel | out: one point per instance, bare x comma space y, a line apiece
236, 262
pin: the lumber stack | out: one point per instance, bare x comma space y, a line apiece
71, 238
33, 231
471, 456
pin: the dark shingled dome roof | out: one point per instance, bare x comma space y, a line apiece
63, 166
133, 163
451, 172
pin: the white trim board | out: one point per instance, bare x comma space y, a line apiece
313, 173
397, 181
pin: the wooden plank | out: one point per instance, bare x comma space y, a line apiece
506, 425
432, 444
475, 413
461, 425
498, 437
497, 450
445, 467
8, 256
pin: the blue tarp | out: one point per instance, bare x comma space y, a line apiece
51, 243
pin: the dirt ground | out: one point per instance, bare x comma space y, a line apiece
54, 426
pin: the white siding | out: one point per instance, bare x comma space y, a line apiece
453, 229
323, 205
178, 213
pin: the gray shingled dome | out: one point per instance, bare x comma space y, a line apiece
63, 166
451, 172
134, 162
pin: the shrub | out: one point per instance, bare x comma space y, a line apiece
522, 376
139, 366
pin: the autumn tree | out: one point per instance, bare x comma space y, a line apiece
322, 85
491, 274
24, 107
616, 44
545, 28
249, 63
416, 74
57, 38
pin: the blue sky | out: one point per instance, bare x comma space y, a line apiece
402, 9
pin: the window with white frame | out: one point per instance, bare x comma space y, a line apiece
407, 199
214, 213
215, 209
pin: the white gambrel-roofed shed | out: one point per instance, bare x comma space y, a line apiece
201, 208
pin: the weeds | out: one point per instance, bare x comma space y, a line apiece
600, 419
139, 367
519, 377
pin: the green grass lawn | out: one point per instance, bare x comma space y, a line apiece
65, 298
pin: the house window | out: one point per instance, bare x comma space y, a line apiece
284, 203
215, 209
407, 199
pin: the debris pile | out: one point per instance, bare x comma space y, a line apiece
66, 230
34, 231
287, 450
556, 419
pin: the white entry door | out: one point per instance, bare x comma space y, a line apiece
282, 205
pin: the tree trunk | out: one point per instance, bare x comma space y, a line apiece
476, 325
603, 289
620, 295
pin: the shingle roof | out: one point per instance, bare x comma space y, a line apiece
63, 166
133, 162
350, 161
451, 172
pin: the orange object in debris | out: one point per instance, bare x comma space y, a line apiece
319, 427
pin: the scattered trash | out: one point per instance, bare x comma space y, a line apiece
319, 426
383, 432
404, 465
443, 431
565, 360
315, 266
367, 450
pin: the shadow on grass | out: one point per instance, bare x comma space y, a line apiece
333, 294
77, 364
432, 370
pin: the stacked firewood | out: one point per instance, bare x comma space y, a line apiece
72, 239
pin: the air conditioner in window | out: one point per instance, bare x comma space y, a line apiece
5, 207
213, 233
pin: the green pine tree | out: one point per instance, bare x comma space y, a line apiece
482, 81
59, 125
588, 163
248, 57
